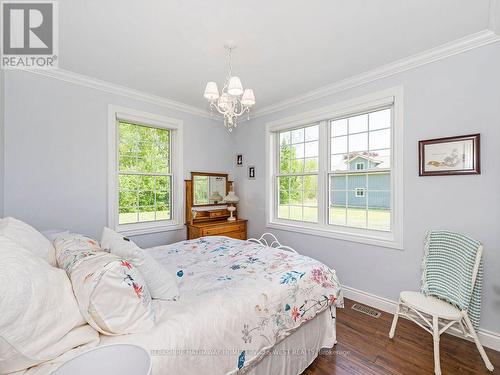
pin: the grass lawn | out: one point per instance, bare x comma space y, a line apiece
131, 217
377, 219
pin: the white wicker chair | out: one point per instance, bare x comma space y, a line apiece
269, 239
428, 312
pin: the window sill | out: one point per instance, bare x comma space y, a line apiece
384, 240
148, 228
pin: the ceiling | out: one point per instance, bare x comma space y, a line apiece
285, 47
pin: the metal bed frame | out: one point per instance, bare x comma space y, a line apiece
269, 239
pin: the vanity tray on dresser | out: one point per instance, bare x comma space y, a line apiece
206, 212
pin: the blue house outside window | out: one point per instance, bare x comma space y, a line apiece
366, 183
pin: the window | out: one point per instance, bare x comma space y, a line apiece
145, 170
364, 137
339, 174
144, 178
298, 174
360, 192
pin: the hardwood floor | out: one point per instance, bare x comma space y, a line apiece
364, 347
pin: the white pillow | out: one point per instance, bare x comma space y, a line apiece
39, 318
161, 283
28, 237
111, 292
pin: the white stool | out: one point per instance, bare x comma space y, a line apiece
118, 359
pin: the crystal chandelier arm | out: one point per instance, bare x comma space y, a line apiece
214, 105
243, 109
234, 108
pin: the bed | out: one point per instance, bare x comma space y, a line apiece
244, 308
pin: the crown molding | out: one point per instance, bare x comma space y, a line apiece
494, 21
461, 45
458, 46
112, 88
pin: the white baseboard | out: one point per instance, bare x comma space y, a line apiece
488, 338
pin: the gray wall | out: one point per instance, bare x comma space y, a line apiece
2, 148
56, 153
458, 95
56, 167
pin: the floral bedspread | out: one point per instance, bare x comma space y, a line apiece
254, 294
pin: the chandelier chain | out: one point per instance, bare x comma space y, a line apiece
230, 62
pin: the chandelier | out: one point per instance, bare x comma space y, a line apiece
233, 101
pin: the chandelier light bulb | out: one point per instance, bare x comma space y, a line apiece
235, 88
211, 91
248, 98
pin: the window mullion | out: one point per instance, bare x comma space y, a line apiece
135, 173
173, 143
366, 198
297, 174
346, 193
138, 204
367, 207
322, 173
277, 171
154, 195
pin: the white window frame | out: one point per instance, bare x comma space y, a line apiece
362, 166
303, 173
359, 192
382, 99
118, 113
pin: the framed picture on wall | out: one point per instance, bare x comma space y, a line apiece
239, 160
251, 172
450, 156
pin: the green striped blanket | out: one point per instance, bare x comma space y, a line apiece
447, 271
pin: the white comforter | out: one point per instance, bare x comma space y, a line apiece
237, 300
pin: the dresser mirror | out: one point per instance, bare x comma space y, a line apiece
207, 214
209, 189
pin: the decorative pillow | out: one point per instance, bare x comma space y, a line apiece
110, 291
52, 234
161, 283
39, 318
72, 248
28, 237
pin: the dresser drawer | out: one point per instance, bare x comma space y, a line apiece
237, 235
222, 230
220, 213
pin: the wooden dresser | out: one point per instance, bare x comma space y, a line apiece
211, 219
234, 229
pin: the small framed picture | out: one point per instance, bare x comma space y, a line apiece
251, 172
450, 156
239, 160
